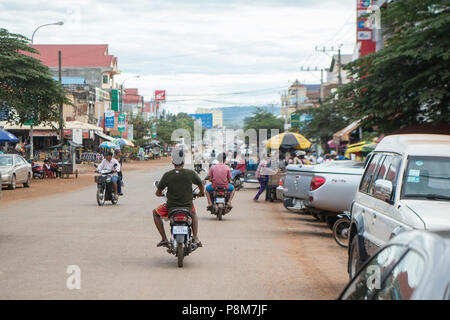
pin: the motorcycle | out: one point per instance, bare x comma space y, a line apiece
341, 229
38, 171
219, 200
181, 242
238, 181
198, 167
105, 189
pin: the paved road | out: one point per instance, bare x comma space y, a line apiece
259, 251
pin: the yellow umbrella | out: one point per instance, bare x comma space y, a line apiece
288, 140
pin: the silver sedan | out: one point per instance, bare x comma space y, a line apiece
14, 169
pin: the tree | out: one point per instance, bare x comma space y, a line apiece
325, 121
263, 120
407, 82
27, 89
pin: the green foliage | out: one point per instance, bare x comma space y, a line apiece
27, 90
326, 120
263, 120
407, 82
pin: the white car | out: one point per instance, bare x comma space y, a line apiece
15, 169
405, 186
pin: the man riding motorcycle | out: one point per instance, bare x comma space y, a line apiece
111, 164
179, 183
220, 177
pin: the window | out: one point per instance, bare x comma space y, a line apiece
105, 79
427, 178
379, 172
370, 171
6, 161
403, 279
364, 285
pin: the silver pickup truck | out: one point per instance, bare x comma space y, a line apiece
323, 188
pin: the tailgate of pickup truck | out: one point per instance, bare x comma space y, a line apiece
297, 181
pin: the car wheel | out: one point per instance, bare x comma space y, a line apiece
354, 257
12, 185
27, 183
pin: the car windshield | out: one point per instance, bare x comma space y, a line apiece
427, 178
6, 161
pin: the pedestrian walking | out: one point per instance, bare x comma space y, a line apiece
261, 176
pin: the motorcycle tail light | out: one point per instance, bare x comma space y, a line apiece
316, 183
220, 193
180, 217
281, 183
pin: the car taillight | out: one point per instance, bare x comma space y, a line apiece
180, 217
316, 183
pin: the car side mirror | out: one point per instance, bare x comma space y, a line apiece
383, 190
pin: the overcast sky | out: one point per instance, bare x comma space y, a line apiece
218, 52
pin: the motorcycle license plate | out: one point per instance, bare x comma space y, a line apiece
180, 230
220, 200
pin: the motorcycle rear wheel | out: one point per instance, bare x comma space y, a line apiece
340, 232
219, 213
180, 255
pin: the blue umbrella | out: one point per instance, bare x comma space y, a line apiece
6, 136
107, 144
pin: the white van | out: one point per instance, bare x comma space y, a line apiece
405, 186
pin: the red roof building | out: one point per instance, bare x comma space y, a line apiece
89, 61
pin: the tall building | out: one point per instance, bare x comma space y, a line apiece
217, 115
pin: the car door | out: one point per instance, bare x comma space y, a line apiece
385, 217
364, 204
18, 169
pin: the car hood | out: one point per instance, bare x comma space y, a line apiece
435, 214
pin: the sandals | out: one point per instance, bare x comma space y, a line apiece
199, 244
163, 244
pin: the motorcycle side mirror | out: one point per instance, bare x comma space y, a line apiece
95, 165
155, 184
115, 165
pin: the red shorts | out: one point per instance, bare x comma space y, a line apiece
164, 212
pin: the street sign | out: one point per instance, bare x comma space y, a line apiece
160, 95
29, 123
115, 99
295, 120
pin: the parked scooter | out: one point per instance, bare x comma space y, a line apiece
341, 229
105, 189
198, 167
38, 171
181, 242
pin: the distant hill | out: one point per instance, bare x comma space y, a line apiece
233, 116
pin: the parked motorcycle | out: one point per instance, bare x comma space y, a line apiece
38, 171
181, 242
341, 229
105, 189
219, 200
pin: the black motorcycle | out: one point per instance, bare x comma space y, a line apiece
181, 242
341, 229
219, 199
238, 181
105, 189
198, 167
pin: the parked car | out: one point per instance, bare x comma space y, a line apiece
299, 183
414, 265
15, 169
405, 186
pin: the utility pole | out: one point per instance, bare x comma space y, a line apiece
61, 119
332, 49
316, 69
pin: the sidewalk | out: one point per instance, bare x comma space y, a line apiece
47, 187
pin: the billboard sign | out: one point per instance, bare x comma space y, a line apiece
364, 35
160, 95
109, 119
121, 122
205, 118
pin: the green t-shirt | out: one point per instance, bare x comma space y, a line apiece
179, 187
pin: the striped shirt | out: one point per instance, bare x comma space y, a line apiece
262, 164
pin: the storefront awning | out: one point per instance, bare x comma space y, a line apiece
344, 134
104, 137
